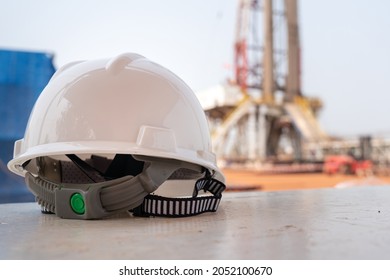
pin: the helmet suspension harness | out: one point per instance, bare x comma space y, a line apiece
94, 195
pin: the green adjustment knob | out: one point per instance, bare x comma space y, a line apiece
77, 203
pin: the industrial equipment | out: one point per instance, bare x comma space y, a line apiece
262, 115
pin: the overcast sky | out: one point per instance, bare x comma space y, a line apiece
345, 46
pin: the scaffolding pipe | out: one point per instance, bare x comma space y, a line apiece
293, 87
268, 58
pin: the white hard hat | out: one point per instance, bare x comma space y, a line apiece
102, 110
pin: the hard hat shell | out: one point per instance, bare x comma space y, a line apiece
124, 105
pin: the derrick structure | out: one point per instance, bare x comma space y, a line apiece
262, 115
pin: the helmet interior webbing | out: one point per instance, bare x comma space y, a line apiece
125, 193
99, 169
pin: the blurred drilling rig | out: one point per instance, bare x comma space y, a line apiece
261, 116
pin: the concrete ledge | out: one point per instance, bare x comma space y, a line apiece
351, 223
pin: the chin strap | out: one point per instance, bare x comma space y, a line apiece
154, 205
102, 199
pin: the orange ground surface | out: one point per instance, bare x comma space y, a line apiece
239, 180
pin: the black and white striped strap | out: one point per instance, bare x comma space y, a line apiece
155, 205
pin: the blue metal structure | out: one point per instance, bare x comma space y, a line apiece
23, 75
